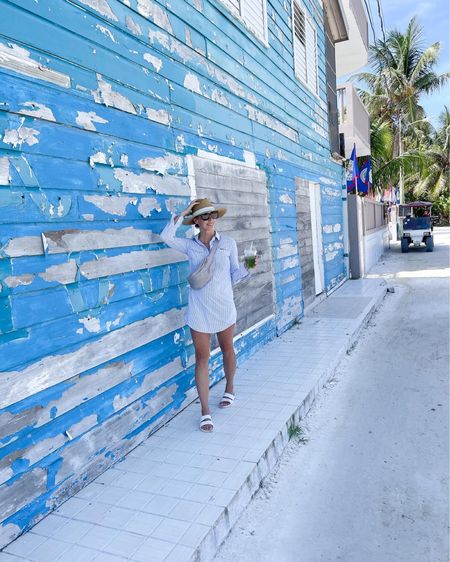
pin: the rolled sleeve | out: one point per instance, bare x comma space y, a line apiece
238, 271
169, 236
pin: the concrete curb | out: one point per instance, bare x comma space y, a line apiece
272, 453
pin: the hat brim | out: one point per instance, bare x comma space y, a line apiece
221, 211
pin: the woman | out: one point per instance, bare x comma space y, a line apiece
211, 309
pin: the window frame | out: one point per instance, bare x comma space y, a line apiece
308, 21
262, 37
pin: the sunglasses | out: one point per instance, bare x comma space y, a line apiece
207, 216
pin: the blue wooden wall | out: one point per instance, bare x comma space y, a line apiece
101, 103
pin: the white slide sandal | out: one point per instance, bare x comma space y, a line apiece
204, 422
227, 400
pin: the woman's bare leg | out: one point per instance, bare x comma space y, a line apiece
202, 350
229, 356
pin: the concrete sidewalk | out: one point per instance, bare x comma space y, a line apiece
176, 496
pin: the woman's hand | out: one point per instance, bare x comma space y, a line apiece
188, 209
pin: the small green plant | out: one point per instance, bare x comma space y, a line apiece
296, 432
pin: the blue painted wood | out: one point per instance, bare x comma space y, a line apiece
213, 86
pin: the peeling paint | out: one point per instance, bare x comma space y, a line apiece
48, 208
63, 273
288, 263
91, 324
16, 137
192, 83
114, 323
88, 217
286, 199
19, 280
287, 250
141, 183
327, 181
34, 109
124, 159
172, 205
198, 4
180, 143
187, 37
4, 171
105, 95
288, 279
134, 27
162, 165
336, 192
111, 205
97, 158
24, 246
269, 121
152, 11
87, 120
147, 205
219, 97
102, 7
158, 115
154, 61
18, 59
329, 256
106, 32
160, 37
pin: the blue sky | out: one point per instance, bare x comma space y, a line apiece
434, 18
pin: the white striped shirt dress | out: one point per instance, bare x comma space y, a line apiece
211, 309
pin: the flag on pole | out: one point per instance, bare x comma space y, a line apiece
365, 175
353, 182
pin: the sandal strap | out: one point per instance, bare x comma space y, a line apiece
228, 397
206, 420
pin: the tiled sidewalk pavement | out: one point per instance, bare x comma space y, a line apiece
176, 496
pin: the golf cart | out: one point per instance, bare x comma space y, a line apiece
415, 225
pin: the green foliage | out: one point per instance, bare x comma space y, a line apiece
403, 143
296, 432
441, 208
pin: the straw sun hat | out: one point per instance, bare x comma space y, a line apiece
203, 207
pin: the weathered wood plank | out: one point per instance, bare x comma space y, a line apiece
16, 495
132, 261
17, 385
38, 449
67, 241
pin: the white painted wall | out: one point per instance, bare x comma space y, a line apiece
375, 244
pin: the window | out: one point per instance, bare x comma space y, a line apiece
252, 13
305, 47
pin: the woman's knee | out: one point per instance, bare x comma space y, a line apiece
228, 349
201, 357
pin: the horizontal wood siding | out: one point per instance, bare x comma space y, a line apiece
103, 105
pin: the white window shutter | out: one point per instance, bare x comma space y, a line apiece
311, 56
305, 47
253, 13
233, 5
299, 42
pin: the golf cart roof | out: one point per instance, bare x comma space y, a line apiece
417, 204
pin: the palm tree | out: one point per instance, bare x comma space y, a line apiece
403, 71
434, 180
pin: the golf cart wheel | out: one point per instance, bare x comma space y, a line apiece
405, 245
429, 242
